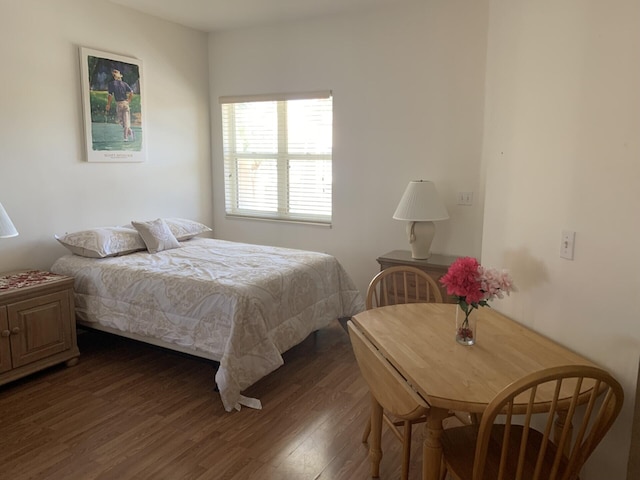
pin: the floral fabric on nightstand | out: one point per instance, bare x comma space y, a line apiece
26, 279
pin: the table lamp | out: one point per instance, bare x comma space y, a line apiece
421, 206
6, 226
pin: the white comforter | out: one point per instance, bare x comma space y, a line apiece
241, 304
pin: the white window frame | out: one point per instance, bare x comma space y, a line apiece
282, 157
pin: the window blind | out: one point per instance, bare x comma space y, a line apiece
278, 156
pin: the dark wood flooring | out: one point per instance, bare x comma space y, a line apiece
132, 411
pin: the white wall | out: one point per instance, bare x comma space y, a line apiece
408, 87
561, 152
45, 184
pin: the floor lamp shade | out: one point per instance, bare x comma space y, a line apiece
421, 206
6, 225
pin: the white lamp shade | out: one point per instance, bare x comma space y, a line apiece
420, 203
6, 225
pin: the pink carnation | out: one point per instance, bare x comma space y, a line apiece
462, 280
494, 283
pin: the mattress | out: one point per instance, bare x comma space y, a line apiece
240, 304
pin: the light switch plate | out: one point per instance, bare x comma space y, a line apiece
567, 244
465, 198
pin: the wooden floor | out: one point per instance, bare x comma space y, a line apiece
132, 411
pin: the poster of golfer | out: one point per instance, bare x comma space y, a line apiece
112, 103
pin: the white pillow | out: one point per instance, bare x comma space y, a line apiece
156, 235
184, 229
102, 242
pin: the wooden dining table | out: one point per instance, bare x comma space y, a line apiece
419, 341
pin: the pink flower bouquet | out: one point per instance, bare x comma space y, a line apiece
474, 286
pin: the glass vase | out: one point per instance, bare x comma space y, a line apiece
466, 322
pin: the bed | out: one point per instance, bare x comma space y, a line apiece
239, 304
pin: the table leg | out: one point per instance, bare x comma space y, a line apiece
559, 426
432, 446
375, 449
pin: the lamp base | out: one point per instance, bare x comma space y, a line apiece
420, 237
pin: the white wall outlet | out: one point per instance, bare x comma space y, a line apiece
465, 198
567, 244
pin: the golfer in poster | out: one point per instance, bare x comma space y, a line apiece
123, 94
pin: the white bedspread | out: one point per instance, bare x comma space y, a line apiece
240, 304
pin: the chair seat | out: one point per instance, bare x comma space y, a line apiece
463, 441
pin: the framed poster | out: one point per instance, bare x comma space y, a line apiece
112, 102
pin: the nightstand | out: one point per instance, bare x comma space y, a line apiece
436, 266
37, 323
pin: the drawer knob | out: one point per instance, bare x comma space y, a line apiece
5, 333
15, 330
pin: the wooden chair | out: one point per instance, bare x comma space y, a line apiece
392, 286
389, 391
514, 449
402, 284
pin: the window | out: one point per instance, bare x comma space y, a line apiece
277, 156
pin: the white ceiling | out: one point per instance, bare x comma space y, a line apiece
211, 15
